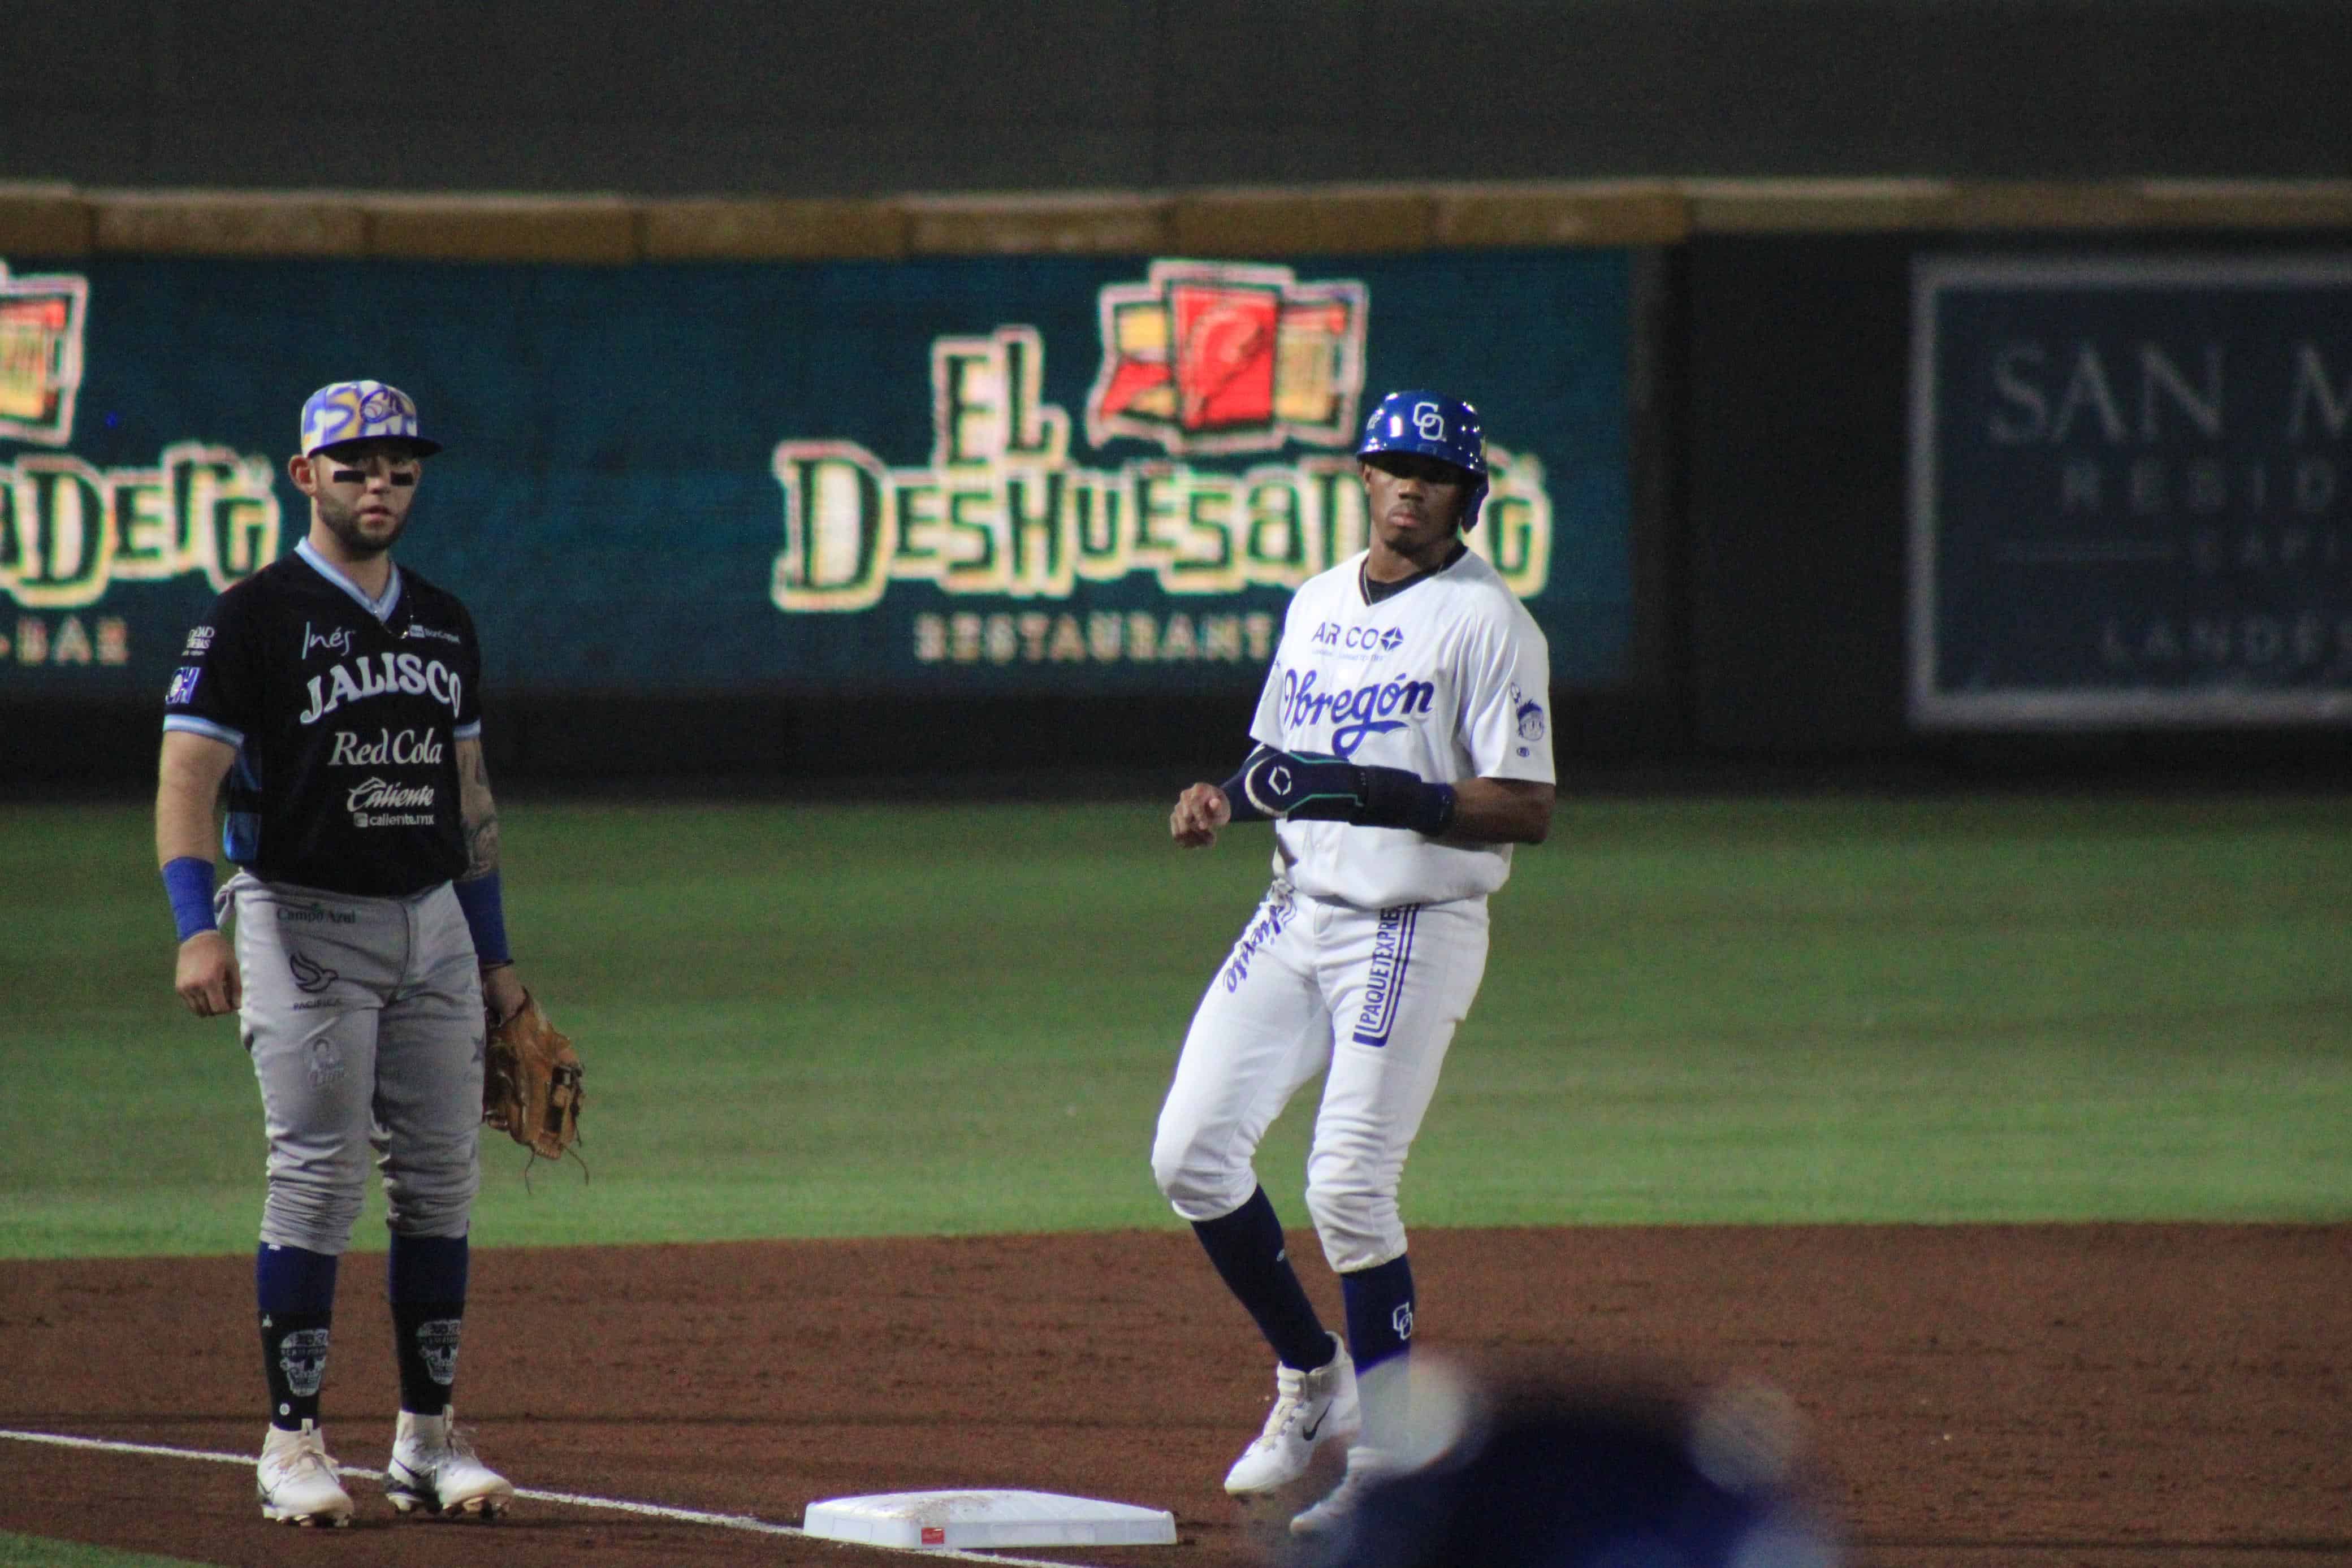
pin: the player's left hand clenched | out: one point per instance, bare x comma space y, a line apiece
1200, 811
206, 977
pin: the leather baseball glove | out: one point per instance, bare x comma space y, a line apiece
531, 1083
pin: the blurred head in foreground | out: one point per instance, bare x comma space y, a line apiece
1561, 1474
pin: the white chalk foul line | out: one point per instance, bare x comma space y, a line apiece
618, 1505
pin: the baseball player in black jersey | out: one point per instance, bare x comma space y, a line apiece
335, 699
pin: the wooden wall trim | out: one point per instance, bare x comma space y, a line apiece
57, 220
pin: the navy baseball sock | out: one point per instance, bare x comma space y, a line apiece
425, 1277
295, 1291
1248, 1248
1380, 1311
1379, 1331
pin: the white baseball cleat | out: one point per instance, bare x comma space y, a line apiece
297, 1480
1367, 1467
1310, 1408
435, 1468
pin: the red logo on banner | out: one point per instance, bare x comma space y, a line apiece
40, 356
1223, 357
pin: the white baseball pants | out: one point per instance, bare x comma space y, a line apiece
1371, 998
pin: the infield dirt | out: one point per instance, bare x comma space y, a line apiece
2081, 1396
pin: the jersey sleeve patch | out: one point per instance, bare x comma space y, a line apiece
213, 681
1530, 715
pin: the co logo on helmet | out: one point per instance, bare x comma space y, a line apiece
1429, 422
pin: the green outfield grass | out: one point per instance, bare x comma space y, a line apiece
37, 1551
810, 1020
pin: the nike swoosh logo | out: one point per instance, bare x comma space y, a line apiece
1309, 1433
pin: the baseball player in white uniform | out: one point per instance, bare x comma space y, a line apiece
1403, 749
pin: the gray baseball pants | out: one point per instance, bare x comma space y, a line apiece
363, 1016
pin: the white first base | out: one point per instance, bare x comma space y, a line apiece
985, 1519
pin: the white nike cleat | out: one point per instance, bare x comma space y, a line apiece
435, 1468
1367, 1467
297, 1480
1310, 1408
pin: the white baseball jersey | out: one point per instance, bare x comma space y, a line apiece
1449, 679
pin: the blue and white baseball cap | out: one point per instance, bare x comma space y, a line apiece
362, 410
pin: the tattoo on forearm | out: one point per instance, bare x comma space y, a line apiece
481, 847
479, 818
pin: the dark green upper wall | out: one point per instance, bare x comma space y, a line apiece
869, 96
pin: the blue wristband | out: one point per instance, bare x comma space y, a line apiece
189, 884
486, 915
485, 918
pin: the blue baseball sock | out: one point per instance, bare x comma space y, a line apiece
425, 1277
1248, 1248
293, 1280
426, 1268
1379, 1331
1380, 1311
295, 1289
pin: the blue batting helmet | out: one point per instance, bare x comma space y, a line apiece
1592, 1477
1435, 426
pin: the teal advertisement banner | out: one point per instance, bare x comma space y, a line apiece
2128, 491
1016, 475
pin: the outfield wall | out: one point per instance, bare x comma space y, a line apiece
851, 98
1955, 486
785, 488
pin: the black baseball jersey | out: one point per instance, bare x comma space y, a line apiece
345, 716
